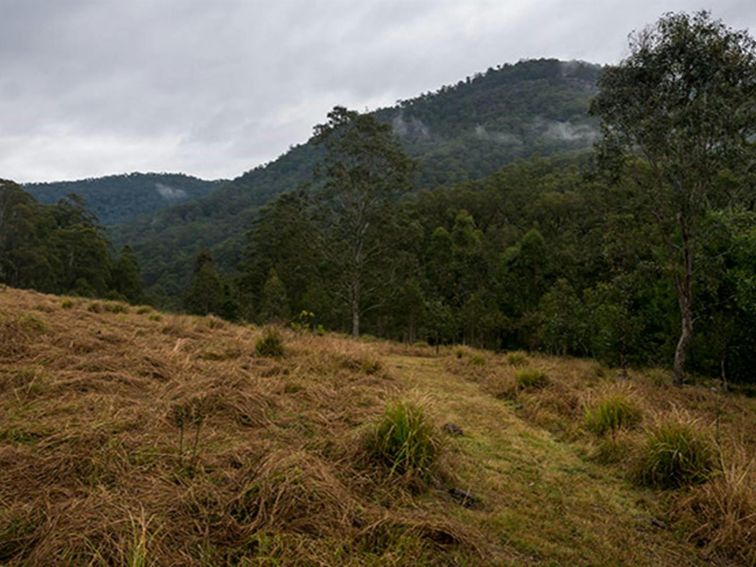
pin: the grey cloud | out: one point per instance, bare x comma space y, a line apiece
212, 88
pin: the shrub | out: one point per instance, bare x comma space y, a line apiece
405, 441
155, 317
270, 344
675, 454
95, 307
142, 309
611, 414
531, 379
67, 304
517, 358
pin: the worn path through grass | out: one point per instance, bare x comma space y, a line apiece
542, 501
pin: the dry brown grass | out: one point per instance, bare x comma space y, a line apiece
267, 464
123, 438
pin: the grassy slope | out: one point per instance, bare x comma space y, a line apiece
90, 472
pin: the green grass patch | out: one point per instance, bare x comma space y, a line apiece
675, 454
611, 414
405, 442
531, 379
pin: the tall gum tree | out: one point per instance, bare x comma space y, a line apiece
364, 172
684, 101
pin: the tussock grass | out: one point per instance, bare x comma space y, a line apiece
406, 443
611, 414
720, 515
676, 453
531, 379
517, 358
270, 344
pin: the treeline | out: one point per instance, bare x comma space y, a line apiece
544, 255
62, 249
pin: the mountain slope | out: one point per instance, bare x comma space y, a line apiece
120, 198
461, 132
271, 464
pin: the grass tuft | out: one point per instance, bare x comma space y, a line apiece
676, 453
270, 344
517, 358
611, 414
405, 442
531, 379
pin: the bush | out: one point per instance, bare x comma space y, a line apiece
406, 442
113, 307
270, 344
675, 454
531, 379
612, 414
67, 304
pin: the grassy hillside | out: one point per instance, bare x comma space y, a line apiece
131, 437
460, 132
121, 198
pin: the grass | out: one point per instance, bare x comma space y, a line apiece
270, 344
531, 379
124, 443
406, 442
676, 453
611, 414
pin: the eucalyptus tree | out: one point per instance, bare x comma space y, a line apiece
364, 172
683, 101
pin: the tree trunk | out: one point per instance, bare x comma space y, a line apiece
684, 287
355, 309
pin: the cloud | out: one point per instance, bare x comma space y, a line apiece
91, 87
168, 192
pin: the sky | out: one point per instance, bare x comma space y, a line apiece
215, 87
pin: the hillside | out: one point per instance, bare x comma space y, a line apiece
121, 198
133, 437
460, 132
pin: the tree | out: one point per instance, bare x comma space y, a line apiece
684, 101
365, 170
126, 277
275, 303
206, 293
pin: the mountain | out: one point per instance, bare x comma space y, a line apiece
460, 132
121, 198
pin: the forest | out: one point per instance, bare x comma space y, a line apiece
397, 224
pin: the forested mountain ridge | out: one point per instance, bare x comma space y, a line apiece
460, 132
120, 198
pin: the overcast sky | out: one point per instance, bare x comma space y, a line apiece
215, 87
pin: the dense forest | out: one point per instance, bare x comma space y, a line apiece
119, 199
460, 132
61, 248
642, 251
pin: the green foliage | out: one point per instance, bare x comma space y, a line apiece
531, 379
676, 453
405, 442
270, 344
611, 414
275, 303
206, 294
56, 249
461, 132
117, 199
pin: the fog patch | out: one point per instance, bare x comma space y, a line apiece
499, 137
413, 128
569, 132
170, 193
